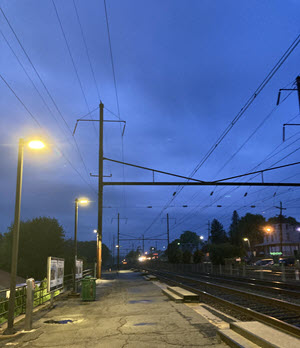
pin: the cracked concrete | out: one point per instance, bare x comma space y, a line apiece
129, 312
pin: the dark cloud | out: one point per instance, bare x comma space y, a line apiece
183, 72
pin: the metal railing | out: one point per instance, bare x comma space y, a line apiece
41, 295
281, 273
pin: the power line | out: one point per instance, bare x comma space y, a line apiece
37, 122
42, 82
112, 59
72, 59
116, 92
86, 49
234, 121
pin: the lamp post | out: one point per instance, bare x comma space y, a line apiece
35, 144
82, 201
248, 241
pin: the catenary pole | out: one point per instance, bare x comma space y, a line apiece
118, 257
100, 194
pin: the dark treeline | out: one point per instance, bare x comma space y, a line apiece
42, 237
221, 244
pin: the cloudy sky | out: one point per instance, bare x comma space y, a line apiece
184, 69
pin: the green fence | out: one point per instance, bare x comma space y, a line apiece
41, 295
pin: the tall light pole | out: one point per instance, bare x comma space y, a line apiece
248, 241
82, 201
35, 144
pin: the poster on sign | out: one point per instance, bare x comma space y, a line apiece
55, 273
79, 269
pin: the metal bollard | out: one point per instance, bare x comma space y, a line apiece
29, 303
297, 274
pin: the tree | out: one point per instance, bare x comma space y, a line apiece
88, 251
287, 220
174, 252
189, 237
234, 235
39, 238
218, 234
198, 256
186, 256
219, 252
132, 256
251, 227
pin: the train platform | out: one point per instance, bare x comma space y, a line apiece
129, 312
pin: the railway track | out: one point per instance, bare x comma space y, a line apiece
286, 291
275, 312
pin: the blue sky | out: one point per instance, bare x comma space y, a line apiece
183, 71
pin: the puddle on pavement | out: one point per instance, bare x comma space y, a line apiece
140, 301
66, 321
143, 324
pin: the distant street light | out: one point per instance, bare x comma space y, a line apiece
36, 144
82, 201
268, 229
201, 237
248, 241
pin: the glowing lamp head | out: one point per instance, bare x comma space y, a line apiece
36, 144
245, 239
83, 201
95, 231
201, 237
268, 229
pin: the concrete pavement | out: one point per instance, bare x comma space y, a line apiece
129, 312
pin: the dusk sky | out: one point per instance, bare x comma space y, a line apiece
183, 70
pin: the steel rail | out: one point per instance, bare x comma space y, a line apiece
270, 320
273, 287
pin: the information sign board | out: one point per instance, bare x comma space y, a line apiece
55, 273
79, 269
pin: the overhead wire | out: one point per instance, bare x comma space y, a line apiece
233, 122
42, 82
116, 93
72, 60
86, 49
40, 126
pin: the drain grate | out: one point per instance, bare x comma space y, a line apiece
66, 321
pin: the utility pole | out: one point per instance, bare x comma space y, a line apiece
118, 261
168, 231
280, 225
100, 194
208, 230
143, 244
113, 251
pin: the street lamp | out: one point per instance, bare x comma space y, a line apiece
201, 237
247, 240
82, 201
35, 144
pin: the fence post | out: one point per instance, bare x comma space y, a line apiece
29, 303
282, 272
261, 274
51, 299
244, 270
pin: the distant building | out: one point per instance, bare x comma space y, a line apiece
290, 240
